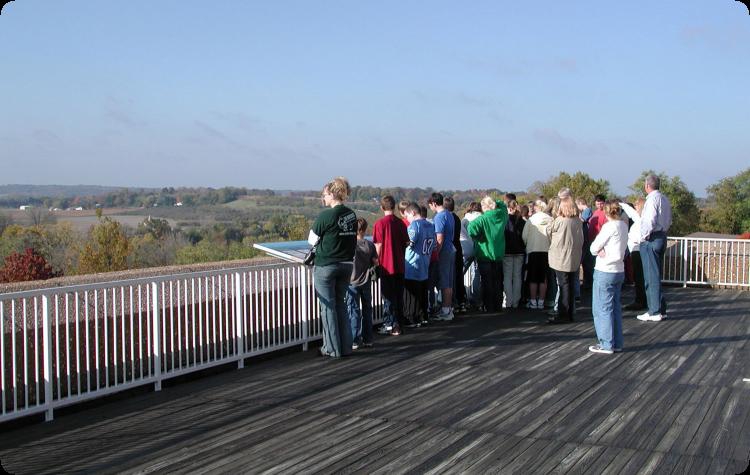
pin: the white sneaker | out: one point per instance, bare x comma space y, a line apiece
385, 330
599, 349
445, 317
647, 317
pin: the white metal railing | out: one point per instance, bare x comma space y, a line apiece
707, 261
63, 345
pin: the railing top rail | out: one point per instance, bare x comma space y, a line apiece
138, 281
686, 238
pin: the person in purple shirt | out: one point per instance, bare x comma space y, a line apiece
656, 219
444, 228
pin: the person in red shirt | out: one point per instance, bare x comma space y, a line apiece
598, 218
391, 240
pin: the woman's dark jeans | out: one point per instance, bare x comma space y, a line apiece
331, 285
566, 305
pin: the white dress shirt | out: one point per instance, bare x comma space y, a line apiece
656, 215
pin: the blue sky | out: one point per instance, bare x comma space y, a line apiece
287, 94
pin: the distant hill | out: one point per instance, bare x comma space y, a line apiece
55, 191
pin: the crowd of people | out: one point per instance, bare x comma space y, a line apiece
540, 254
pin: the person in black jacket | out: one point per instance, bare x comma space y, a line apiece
515, 252
459, 290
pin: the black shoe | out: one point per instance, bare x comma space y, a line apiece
558, 320
634, 306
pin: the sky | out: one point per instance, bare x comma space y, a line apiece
452, 95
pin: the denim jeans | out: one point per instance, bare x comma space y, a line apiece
513, 278
607, 308
652, 257
359, 302
331, 284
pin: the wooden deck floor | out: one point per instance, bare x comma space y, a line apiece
482, 394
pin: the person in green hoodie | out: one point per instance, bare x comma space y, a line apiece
488, 233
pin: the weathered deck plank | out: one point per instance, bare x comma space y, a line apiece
484, 394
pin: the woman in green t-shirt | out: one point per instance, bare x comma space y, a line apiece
335, 233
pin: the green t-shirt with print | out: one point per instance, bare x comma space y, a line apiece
337, 228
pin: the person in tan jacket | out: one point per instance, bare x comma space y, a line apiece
537, 245
566, 247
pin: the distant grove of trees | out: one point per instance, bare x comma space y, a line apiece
129, 198
45, 248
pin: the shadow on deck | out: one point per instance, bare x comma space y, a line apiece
502, 393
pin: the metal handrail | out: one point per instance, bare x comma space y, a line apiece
63, 345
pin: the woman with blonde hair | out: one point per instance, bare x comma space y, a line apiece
334, 233
609, 273
566, 247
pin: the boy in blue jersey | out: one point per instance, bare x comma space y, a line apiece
444, 228
421, 244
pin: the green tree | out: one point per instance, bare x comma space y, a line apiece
204, 251
685, 212
148, 251
5, 221
155, 227
728, 208
581, 186
107, 248
58, 244
38, 216
237, 250
299, 227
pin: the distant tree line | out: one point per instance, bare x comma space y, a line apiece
44, 248
31, 252
137, 197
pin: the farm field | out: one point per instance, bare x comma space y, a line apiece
83, 220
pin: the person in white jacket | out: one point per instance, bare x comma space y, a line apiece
537, 246
634, 239
609, 273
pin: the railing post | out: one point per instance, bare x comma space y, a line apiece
156, 326
684, 262
47, 355
239, 321
304, 306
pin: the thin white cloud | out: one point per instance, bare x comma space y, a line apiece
570, 146
211, 132
118, 111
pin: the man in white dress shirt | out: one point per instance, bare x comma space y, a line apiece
655, 221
